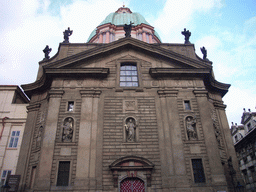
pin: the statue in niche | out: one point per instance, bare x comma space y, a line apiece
130, 128
39, 136
191, 128
67, 134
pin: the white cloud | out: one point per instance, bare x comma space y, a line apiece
236, 100
233, 56
177, 14
27, 33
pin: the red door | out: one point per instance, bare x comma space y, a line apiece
132, 185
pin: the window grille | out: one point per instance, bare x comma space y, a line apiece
198, 171
63, 173
14, 139
128, 75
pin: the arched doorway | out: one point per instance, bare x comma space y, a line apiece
132, 185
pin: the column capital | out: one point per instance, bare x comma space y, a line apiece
219, 105
167, 93
56, 93
90, 93
33, 107
200, 93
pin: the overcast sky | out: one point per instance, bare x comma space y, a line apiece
226, 28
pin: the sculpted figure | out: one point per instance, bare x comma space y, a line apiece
67, 134
130, 129
191, 128
187, 34
47, 51
39, 137
128, 29
204, 51
66, 34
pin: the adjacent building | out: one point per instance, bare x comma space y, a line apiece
126, 112
244, 138
13, 115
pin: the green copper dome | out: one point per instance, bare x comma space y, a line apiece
122, 19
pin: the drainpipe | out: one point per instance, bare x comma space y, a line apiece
3, 126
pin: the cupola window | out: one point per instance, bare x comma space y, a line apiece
128, 75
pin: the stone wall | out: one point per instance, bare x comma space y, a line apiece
116, 110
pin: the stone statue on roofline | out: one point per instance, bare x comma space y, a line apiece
128, 29
47, 51
187, 34
204, 52
66, 34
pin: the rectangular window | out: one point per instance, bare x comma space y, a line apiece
71, 106
253, 173
249, 126
198, 171
236, 139
245, 176
187, 105
128, 75
104, 37
4, 176
14, 139
63, 173
147, 37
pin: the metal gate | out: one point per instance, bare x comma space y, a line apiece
132, 185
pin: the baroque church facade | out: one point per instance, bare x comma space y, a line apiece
126, 112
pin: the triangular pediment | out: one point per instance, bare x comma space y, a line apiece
105, 50
96, 63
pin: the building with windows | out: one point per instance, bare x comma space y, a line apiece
13, 114
244, 138
126, 113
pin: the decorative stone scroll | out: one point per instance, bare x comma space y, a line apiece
68, 128
191, 128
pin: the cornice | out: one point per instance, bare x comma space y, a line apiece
204, 73
160, 72
103, 72
200, 93
49, 73
56, 93
219, 105
33, 107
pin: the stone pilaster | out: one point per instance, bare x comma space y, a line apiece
228, 143
47, 147
217, 172
86, 155
22, 165
172, 127
173, 146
